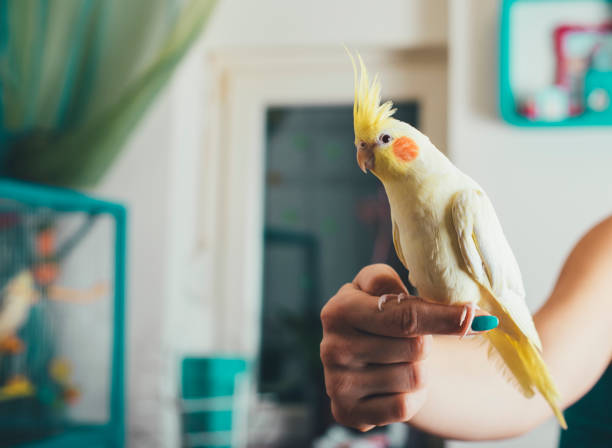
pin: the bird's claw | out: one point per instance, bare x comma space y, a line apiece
385, 297
382, 300
469, 312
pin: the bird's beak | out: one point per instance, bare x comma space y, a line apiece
365, 158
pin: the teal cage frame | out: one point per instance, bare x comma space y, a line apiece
112, 432
507, 100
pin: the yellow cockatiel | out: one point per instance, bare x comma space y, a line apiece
446, 233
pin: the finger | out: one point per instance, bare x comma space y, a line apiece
412, 317
389, 379
378, 279
386, 409
352, 385
373, 349
360, 349
346, 416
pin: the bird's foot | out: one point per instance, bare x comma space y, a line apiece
386, 297
469, 312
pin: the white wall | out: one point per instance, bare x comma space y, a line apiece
140, 179
548, 185
157, 177
324, 23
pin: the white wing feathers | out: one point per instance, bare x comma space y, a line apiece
488, 257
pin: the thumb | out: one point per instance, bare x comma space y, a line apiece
378, 279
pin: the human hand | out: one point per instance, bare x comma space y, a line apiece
375, 361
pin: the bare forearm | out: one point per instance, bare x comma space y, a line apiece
470, 399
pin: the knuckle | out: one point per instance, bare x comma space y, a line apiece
333, 310
337, 412
350, 416
417, 376
334, 353
330, 386
328, 316
344, 290
400, 408
325, 352
341, 415
421, 346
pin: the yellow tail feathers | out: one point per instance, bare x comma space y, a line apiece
526, 368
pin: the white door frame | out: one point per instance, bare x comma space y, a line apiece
243, 84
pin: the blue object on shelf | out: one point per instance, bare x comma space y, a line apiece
214, 401
598, 93
62, 366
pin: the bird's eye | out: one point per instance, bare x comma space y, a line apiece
362, 145
384, 138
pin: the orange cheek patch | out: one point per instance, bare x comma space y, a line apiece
405, 149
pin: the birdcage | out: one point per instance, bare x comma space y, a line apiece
62, 282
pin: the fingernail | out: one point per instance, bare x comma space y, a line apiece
484, 323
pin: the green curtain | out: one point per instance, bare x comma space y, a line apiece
77, 75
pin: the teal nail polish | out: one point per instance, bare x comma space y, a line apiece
484, 323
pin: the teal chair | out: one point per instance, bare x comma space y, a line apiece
214, 402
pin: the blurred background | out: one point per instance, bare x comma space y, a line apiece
174, 298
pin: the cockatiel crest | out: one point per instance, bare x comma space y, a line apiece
386, 146
446, 233
368, 114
